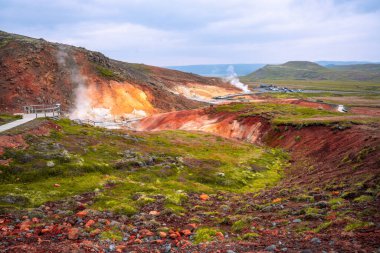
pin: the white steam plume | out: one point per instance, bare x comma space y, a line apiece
233, 79
82, 105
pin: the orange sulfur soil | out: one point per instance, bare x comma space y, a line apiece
120, 98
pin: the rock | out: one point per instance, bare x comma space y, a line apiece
57, 185
82, 214
173, 235
296, 220
167, 248
186, 232
306, 251
50, 164
271, 248
14, 199
230, 251
284, 249
204, 197
112, 247
154, 213
220, 236
73, 233
322, 204
90, 223
162, 234
191, 226
315, 240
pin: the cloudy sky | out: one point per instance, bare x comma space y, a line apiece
182, 32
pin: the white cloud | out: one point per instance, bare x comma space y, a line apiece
206, 31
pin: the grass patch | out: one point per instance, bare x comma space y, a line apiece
6, 118
106, 72
357, 224
281, 113
137, 168
204, 235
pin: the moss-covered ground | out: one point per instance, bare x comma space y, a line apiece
131, 170
6, 118
289, 114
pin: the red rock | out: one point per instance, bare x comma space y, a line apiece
25, 225
73, 233
35, 220
145, 232
186, 232
155, 213
173, 235
138, 241
90, 223
82, 214
277, 200
159, 241
120, 248
162, 234
191, 226
45, 230
220, 236
57, 185
204, 197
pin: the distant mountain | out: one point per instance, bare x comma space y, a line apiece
341, 63
218, 69
357, 67
304, 70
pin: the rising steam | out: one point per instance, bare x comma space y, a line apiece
83, 108
233, 79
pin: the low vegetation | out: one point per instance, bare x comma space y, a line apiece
139, 167
6, 118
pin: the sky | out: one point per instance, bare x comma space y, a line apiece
185, 32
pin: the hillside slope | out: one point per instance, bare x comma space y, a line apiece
34, 71
304, 70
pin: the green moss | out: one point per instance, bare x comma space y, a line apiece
172, 208
112, 235
303, 198
363, 198
250, 236
357, 224
322, 226
204, 235
105, 72
240, 225
92, 154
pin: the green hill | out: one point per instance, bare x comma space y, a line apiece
304, 70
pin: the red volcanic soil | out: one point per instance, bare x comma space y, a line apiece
39, 72
332, 151
223, 124
371, 111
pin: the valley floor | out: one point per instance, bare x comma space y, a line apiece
299, 186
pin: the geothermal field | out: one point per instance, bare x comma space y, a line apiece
100, 155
